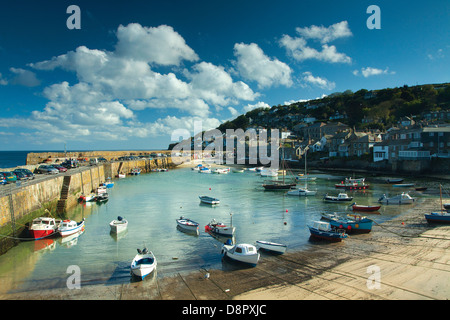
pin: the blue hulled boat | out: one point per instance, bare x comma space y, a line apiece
323, 230
353, 224
438, 217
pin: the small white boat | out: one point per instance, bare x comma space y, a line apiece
301, 192
121, 175
306, 178
108, 183
341, 197
269, 172
101, 189
221, 170
103, 197
243, 252
118, 225
236, 170
209, 200
143, 264
204, 170
68, 227
135, 171
88, 198
271, 246
403, 198
220, 228
187, 224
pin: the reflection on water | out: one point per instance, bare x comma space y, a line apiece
152, 202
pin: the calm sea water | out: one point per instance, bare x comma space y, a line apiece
151, 203
11, 159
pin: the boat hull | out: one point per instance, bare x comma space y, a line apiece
301, 192
271, 246
37, 234
117, 226
366, 208
327, 235
352, 226
209, 200
188, 225
436, 217
249, 259
221, 231
64, 232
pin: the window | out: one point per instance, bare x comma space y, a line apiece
431, 134
238, 250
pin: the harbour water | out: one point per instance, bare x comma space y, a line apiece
152, 202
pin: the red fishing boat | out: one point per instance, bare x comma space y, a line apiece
357, 207
43, 227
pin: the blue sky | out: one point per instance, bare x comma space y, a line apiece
138, 70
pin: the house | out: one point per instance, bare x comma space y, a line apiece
381, 151
363, 143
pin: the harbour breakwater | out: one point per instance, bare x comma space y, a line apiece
54, 195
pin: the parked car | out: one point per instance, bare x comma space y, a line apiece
45, 168
28, 173
70, 164
2, 179
21, 176
10, 177
58, 167
101, 159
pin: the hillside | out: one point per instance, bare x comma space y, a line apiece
362, 109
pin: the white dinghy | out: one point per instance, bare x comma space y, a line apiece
118, 225
143, 264
271, 246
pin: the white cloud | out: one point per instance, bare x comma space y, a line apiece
24, 77
3, 82
369, 71
258, 105
298, 48
233, 111
323, 83
325, 34
254, 65
160, 45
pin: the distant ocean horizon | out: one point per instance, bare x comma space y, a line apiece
11, 159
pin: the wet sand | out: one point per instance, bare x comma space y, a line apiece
413, 259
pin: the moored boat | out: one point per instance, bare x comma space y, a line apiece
220, 228
87, 198
353, 224
209, 200
187, 224
438, 217
301, 192
403, 185
68, 227
278, 185
268, 172
323, 230
394, 180
143, 264
242, 252
403, 198
271, 246
358, 207
43, 227
341, 197
118, 225
135, 171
